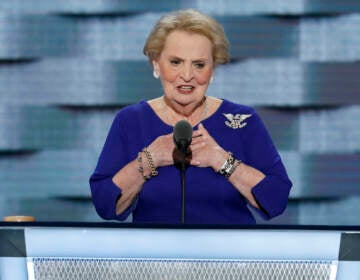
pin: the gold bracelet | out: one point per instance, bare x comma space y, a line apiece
151, 165
141, 168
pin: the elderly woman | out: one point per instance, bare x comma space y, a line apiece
233, 164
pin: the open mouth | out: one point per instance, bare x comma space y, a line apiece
186, 89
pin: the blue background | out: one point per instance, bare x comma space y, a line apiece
66, 68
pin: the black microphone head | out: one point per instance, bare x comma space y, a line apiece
182, 135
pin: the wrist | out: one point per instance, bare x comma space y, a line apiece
150, 161
219, 160
229, 165
146, 166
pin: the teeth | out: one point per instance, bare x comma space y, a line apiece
186, 87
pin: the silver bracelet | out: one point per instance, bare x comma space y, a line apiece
229, 166
231, 171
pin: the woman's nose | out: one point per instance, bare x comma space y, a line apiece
187, 73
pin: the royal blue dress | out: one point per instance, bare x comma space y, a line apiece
209, 198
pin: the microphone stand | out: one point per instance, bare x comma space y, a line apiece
182, 165
183, 169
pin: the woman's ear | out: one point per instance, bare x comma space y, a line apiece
155, 65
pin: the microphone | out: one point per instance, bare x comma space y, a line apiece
182, 139
182, 135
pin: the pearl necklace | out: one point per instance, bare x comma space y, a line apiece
166, 114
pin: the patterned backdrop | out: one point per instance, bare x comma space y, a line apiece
66, 68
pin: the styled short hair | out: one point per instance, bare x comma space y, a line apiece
190, 21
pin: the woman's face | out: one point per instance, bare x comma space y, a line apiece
185, 66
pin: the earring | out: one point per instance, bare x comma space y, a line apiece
156, 74
211, 79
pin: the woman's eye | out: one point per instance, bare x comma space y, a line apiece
175, 62
199, 65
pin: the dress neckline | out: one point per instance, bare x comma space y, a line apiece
168, 125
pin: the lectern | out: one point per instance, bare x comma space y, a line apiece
39, 251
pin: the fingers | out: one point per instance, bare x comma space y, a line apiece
196, 134
161, 149
200, 126
201, 131
200, 140
195, 162
197, 146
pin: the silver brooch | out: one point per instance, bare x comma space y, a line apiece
237, 121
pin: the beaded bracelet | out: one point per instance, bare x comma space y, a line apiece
151, 165
141, 168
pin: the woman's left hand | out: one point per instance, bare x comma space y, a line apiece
206, 152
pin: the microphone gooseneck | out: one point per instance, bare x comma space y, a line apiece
182, 139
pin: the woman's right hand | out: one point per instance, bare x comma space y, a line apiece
128, 178
161, 150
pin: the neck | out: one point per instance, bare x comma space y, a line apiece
193, 114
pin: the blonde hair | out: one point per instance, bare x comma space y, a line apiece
191, 21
